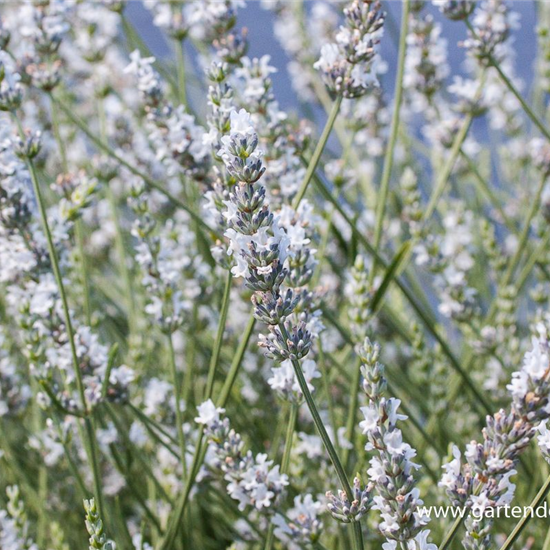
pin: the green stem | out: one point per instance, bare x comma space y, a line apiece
312, 166
91, 444
285, 464
147, 421
546, 545
352, 410
524, 234
200, 450
79, 236
93, 458
79, 233
177, 398
236, 363
325, 376
541, 249
445, 173
530, 113
219, 337
450, 535
411, 299
358, 537
486, 189
388, 158
72, 464
190, 353
443, 177
522, 523
180, 68
123, 432
293, 415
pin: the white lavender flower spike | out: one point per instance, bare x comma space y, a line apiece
216, 219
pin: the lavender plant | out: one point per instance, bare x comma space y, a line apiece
206, 256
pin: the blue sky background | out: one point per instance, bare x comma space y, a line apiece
262, 41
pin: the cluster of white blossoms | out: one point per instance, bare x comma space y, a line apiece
350, 66
32, 292
283, 379
251, 480
162, 257
426, 66
178, 140
301, 523
168, 213
14, 527
198, 19
392, 471
484, 481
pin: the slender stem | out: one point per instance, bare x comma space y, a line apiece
72, 465
541, 249
290, 427
417, 307
123, 432
546, 545
325, 376
352, 410
177, 398
79, 236
200, 450
91, 444
285, 464
318, 151
236, 363
524, 234
324, 435
450, 535
219, 337
57, 135
454, 153
180, 67
388, 158
190, 353
148, 421
93, 457
79, 233
530, 113
522, 523
317, 420
167, 542
486, 188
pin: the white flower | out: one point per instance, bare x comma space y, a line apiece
452, 470
208, 413
284, 378
241, 123
372, 418
330, 56
138, 63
